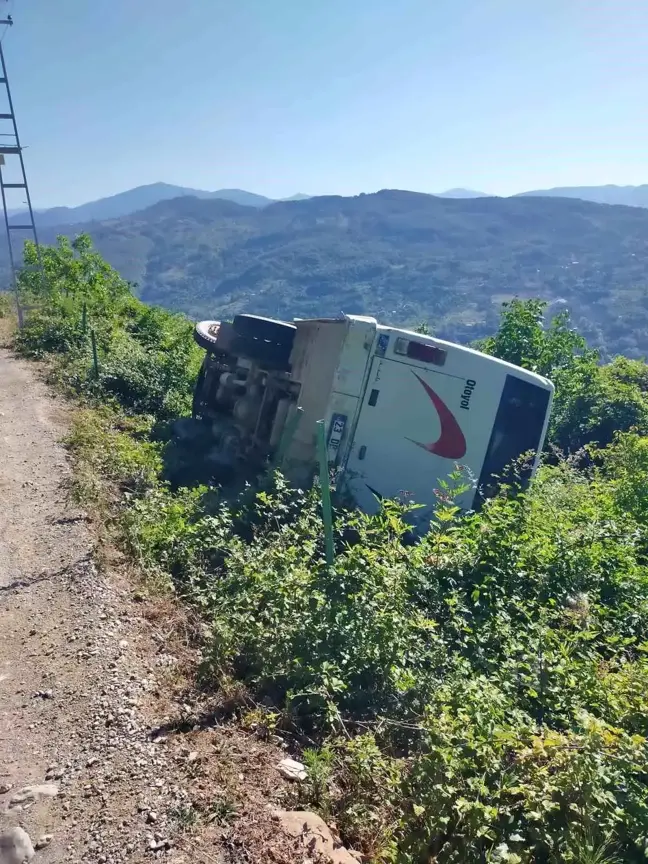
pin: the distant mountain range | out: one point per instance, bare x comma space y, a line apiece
136, 199
462, 193
631, 196
402, 256
133, 200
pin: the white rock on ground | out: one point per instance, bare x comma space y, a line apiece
31, 794
292, 770
16, 847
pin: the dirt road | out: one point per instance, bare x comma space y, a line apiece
70, 681
107, 754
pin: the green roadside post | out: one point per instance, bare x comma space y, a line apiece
95, 358
325, 492
84, 318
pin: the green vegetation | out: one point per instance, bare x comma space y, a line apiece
593, 402
6, 305
147, 358
402, 256
481, 696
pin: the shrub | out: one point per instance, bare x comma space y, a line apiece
148, 361
6, 305
625, 464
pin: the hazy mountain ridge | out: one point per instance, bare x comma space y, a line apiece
141, 197
403, 256
630, 196
462, 193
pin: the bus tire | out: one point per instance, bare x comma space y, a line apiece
264, 329
206, 334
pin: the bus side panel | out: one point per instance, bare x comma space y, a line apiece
330, 359
349, 384
415, 425
314, 361
352, 366
340, 416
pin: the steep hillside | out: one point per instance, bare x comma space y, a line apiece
402, 256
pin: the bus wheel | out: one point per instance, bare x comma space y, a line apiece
206, 334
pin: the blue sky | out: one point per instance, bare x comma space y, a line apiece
328, 96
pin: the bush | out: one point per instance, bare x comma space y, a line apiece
6, 305
625, 465
46, 333
500, 662
492, 787
117, 449
148, 361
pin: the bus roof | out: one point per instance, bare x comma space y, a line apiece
540, 380
526, 374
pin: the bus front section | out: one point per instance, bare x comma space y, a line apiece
431, 408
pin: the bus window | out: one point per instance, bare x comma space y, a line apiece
518, 428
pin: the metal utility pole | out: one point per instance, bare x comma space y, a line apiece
10, 147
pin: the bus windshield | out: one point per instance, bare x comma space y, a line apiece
517, 429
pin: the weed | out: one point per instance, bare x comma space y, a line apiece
6, 305
320, 764
222, 811
184, 816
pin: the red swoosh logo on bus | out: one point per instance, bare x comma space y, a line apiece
451, 443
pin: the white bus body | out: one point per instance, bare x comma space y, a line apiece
401, 409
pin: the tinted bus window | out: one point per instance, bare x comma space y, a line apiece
518, 428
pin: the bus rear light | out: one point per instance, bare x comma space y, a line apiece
422, 351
